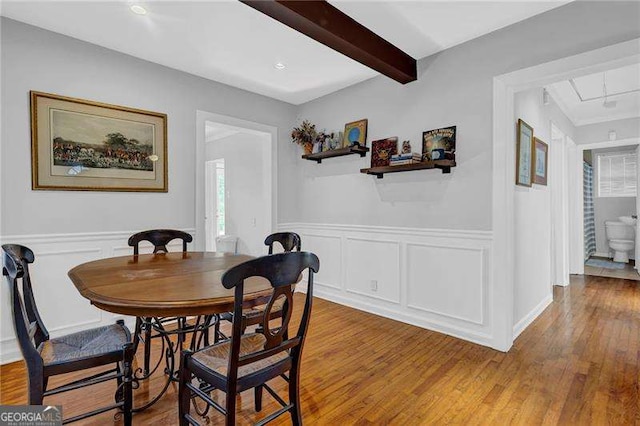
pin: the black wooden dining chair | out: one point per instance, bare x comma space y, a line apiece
289, 241
159, 238
46, 357
248, 361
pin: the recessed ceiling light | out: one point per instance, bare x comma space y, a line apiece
138, 10
280, 66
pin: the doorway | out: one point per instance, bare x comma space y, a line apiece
507, 326
609, 196
235, 182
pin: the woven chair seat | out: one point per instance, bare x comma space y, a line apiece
258, 311
85, 344
216, 357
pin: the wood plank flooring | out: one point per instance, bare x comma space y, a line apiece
577, 364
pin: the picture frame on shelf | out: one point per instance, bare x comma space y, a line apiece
355, 133
524, 154
382, 150
82, 145
439, 144
541, 161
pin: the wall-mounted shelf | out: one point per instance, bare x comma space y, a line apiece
444, 165
319, 156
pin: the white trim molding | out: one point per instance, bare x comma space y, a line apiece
436, 279
531, 316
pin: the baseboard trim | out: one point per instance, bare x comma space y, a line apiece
531, 316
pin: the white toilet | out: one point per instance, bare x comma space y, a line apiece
621, 238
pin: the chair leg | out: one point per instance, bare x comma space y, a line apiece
36, 388
258, 397
184, 394
147, 345
230, 419
294, 395
128, 384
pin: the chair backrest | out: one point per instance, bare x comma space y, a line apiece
28, 324
282, 270
288, 240
159, 238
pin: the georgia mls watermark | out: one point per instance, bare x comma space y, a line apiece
30, 415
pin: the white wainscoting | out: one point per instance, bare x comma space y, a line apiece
433, 278
63, 309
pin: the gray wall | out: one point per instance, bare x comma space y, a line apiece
454, 87
599, 132
36, 59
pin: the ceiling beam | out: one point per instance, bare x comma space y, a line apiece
328, 25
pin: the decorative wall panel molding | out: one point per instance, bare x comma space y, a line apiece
63, 309
433, 278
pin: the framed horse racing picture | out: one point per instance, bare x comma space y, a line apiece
81, 145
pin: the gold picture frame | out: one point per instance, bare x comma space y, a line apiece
524, 154
540, 162
355, 132
82, 145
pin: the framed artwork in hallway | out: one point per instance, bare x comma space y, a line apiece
541, 156
524, 154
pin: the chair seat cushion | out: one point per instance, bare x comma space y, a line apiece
84, 344
216, 357
258, 311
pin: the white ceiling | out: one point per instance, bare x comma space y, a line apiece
582, 98
229, 42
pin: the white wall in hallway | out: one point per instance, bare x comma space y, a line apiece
592, 133
533, 212
246, 158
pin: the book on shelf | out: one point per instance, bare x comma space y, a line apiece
407, 156
403, 162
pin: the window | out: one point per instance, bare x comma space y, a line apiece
617, 175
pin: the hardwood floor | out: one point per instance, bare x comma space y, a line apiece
578, 363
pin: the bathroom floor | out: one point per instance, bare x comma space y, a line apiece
628, 272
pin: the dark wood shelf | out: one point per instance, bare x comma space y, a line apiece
319, 156
444, 165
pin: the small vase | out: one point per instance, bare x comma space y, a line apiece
308, 148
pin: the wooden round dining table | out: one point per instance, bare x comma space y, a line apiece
185, 284
165, 284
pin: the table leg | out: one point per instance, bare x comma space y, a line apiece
170, 353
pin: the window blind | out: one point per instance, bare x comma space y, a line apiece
617, 175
